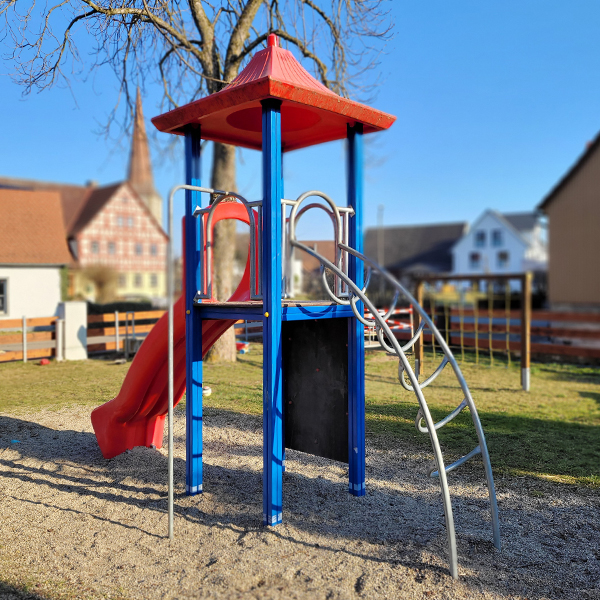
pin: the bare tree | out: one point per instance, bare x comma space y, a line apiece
190, 48
104, 279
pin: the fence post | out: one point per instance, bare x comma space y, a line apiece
59, 335
24, 327
117, 341
74, 315
127, 335
525, 330
420, 340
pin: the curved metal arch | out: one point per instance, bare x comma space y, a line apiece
439, 459
460, 378
207, 230
338, 226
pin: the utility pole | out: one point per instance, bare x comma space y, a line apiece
380, 246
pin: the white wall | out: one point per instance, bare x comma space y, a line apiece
511, 243
32, 291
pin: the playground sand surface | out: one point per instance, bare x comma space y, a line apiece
73, 525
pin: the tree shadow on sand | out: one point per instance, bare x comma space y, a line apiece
401, 515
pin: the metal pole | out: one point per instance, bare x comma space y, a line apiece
356, 329
420, 340
170, 285
117, 341
58, 335
525, 330
24, 327
271, 273
194, 261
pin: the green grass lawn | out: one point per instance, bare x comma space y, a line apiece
552, 432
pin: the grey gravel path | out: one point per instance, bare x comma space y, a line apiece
73, 523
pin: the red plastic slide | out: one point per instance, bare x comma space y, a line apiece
136, 416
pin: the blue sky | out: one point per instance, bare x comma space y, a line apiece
494, 101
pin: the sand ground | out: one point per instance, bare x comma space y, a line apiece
75, 525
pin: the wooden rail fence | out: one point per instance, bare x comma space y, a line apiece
552, 333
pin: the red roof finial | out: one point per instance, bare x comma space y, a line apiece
272, 40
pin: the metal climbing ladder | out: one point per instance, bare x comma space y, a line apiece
346, 292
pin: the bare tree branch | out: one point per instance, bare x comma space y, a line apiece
187, 48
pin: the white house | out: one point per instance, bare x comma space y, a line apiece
501, 243
33, 252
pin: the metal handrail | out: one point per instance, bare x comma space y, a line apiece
207, 230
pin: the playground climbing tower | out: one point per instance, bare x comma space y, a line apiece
313, 370
274, 105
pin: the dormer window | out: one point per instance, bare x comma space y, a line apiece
497, 238
480, 239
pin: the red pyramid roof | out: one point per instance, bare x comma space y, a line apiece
310, 113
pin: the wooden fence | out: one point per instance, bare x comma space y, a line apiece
17, 342
551, 333
103, 335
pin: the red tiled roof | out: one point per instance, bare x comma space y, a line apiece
80, 204
73, 197
31, 228
310, 113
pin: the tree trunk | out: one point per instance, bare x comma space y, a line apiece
223, 178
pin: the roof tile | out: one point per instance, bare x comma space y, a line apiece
32, 229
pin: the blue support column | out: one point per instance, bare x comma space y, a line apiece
271, 285
193, 323
356, 334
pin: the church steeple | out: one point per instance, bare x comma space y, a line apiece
140, 168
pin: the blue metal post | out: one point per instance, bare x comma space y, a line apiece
193, 323
271, 285
356, 333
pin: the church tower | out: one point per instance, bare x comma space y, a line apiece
140, 169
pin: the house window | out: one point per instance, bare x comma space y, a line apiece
129, 221
153, 250
153, 280
497, 238
122, 280
480, 239
119, 221
475, 260
111, 247
138, 249
95, 247
3, 296
137, 280
502, 260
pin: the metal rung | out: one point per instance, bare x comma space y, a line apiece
433, 472
443, 422
429, 380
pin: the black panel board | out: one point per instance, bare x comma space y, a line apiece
315, 387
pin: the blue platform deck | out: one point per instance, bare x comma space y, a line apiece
292, 310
